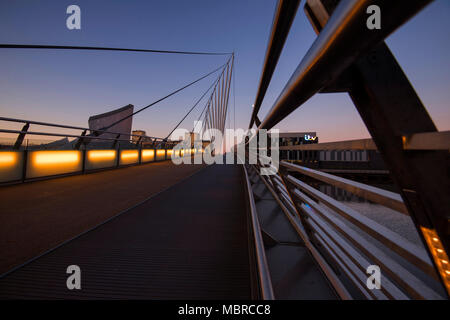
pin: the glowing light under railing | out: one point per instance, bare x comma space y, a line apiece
47, 163
8, 159
99, 159
169, 152
147, 155
440, 257
101, 155
11, 163
160, 154
52, 158
129, 155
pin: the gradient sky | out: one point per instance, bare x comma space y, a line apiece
69, 86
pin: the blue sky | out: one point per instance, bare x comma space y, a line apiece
69, 86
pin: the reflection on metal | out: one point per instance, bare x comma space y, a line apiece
427, 141
347, 57
282, 21
386, 198
265, 282
343, 39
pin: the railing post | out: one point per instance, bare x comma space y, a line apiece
118, 155
21, 136
83, 164
140, 152
24, 164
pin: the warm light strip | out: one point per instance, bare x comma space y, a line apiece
160, 152
98, 155
125, 155
55, 157
169, 152
440, 257
148, 153
8, 158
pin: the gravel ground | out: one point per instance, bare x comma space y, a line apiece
397, 222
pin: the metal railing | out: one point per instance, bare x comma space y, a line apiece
348, 57
351, 240
84, 137
86, 153
264, 280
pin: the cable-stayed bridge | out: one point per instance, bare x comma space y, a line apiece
141, 227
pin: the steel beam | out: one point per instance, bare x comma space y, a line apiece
342, 41
282, 21
391, 110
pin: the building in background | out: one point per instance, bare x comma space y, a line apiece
293, 139
104, 120
328, 159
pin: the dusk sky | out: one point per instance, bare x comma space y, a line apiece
69, 86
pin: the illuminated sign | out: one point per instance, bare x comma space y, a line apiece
310, 138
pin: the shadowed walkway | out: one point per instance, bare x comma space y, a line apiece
188, 242
37, 216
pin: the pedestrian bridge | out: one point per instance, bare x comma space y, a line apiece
140, 227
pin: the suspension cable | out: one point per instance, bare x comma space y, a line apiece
163, 98
193, 107
39, 46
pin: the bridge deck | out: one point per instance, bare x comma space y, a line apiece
160, 249
40, 215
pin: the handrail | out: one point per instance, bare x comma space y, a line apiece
413, 285
386, 198
347, 56
289, 210
341, 42
282, 22
263, 268
326, 227
409, 251
48, 124
60, 135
